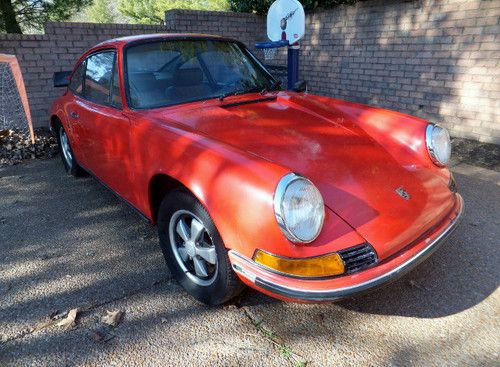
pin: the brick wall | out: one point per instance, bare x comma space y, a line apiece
62, 44
39, 56
436, 59
439, 60
248, 28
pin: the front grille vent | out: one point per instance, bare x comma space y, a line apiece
358, 257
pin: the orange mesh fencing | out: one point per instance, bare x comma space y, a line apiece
12, 94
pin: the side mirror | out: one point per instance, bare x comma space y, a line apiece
300, 86
61, 78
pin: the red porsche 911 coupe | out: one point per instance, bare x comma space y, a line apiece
302, 197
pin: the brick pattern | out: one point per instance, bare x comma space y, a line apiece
248, 28
439, 60
436, 59
39, 56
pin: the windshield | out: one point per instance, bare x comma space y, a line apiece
168, 72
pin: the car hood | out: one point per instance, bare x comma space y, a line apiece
357, 177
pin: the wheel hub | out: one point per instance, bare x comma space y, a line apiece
190, 248
193, 247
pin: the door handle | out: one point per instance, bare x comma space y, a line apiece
74, 115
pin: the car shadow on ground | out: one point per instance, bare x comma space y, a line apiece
66, 243
75, 244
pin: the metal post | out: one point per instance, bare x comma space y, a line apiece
293, 65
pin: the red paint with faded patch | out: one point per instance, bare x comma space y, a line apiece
232, 158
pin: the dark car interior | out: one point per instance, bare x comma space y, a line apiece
184, 84
168, 77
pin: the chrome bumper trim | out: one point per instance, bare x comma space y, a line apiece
339, 293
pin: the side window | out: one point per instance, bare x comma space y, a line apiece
76, 82
98, 77
116, 97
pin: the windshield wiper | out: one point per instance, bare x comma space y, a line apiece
274, 85
238, 92
227, 94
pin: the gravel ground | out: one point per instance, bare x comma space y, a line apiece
68, 243
476, 153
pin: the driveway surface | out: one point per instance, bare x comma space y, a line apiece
69, 243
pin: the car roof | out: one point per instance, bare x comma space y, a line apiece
121, 41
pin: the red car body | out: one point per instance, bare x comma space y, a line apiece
231, 155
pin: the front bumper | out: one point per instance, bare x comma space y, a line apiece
333, 289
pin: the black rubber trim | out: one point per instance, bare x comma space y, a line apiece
257, 100
121, 198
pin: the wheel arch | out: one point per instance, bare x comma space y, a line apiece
54, 122
235, 187
160, 185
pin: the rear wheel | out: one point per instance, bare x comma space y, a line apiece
194, 251
66, 153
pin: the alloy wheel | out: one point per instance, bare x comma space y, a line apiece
193, 247
66, 150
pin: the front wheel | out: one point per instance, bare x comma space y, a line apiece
66, 152
194, 251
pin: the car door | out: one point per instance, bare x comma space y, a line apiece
104, 126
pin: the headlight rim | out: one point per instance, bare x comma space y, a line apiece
430, 147
279, 194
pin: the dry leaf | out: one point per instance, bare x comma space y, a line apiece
112, 318
55, 315
69, 322
42, 325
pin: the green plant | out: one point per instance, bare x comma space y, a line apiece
261, 6
19, 15
153, 11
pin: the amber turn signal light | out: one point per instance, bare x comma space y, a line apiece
312, 267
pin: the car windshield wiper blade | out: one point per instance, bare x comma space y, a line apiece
238, 92
274, 85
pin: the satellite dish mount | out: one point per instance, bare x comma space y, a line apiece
285, 27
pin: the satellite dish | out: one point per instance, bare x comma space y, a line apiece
286, 21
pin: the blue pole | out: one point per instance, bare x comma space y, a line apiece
293, 65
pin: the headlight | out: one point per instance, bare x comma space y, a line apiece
299, 208
438, 144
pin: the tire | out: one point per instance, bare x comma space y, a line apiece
68, 158
220, 283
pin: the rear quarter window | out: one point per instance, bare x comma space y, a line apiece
98, 76
76, 82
